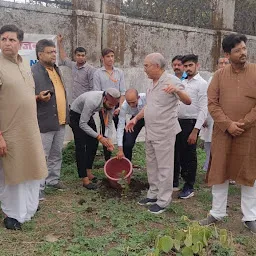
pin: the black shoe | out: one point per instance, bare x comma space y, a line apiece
90, 186
11, 223
156, 209
147, 201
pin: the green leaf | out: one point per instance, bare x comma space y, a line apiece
200, 245
187, 251
223, 240
223, 232
179, 236
157, 242
156, 252
188, 240
197, 237
205, 240
176, 244
166, 243
184, 218
195, 248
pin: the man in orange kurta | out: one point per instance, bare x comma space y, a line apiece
232, 105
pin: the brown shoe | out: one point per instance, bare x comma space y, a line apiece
208, 221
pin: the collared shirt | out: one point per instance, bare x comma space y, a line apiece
160, 113
59, 93
86, 105
196, 88
102, 80
82, 77
127, 110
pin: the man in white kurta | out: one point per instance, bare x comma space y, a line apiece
161, 123
22, 161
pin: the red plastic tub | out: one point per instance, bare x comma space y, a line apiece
113, 169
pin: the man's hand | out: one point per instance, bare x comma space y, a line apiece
43, 97
234, 129
171, 89
130, 126
3, 147
193, 137
107, 143
60, 38
116, 112
120, 153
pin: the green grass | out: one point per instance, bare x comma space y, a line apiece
78, 222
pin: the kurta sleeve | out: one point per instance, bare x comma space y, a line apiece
217, 113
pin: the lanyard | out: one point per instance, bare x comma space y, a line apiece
110, 75
105, 116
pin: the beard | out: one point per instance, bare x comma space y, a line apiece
106, 107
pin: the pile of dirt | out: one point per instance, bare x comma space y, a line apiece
134, 191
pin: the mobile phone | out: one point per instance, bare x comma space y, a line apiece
46, 93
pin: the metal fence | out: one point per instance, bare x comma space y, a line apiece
195, 13
65, 4
245, 17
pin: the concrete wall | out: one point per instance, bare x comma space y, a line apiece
130, 38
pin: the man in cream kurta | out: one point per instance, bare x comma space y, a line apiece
22, 161
161, 123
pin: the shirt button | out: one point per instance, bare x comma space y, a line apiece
54, 106
55, 115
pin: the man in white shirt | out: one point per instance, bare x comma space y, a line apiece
191, 119
206, 131
133, 104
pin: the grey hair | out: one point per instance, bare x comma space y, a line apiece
157, 58
42, 44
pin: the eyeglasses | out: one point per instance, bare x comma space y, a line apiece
51, 52
146, 66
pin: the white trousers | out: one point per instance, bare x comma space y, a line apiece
219, 201
19, 201
53, 145
160, 168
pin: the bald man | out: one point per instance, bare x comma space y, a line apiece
133, 104
161, 123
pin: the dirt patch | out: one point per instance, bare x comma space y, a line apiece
134, 191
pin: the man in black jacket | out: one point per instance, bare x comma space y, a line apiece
52, 110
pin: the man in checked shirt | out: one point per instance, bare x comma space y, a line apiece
82, 72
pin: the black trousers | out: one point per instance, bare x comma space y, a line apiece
129, 138
86, 146
107, 154
185, 156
